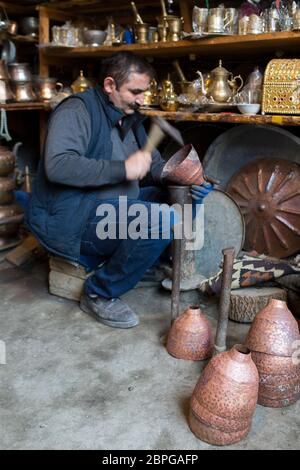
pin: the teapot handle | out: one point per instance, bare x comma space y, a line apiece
242, 82
59, 86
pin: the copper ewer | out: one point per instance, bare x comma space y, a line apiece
225, 397
190, 336
273, 339
184, 167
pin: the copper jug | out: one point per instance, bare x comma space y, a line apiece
48, 88
190, 336
273, 339
224, 399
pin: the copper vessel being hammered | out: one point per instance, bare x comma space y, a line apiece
190, 336
273, 340
184, 167
224, 399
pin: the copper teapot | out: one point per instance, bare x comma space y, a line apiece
223, 86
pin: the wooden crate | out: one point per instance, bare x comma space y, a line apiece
66, 279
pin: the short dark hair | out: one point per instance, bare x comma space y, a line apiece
120, 65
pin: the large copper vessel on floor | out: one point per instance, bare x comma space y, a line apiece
225, 397
10, 214
273, 340
190, 336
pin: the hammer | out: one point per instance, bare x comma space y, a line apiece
159, 128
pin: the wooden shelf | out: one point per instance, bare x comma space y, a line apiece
29, 106
217, 46
233, 118
25, 39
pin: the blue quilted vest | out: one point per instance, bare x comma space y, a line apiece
57, 214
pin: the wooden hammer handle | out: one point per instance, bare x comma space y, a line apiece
155, 136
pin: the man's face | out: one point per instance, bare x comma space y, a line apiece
130, 96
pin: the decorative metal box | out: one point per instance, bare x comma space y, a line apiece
281, 90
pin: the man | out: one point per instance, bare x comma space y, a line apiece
93, 155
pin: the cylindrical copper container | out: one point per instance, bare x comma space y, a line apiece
273, 339
225, 397
190, 336
184, 167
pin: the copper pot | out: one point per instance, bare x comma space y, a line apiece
10, 217
272, 338
190, 336
225, 397
7, 186
274, 330
7, 161
184, 167
23, 92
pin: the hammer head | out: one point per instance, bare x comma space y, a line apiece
169, 130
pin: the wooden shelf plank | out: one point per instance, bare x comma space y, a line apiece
34, 105
217, 46
233, 118
25, 39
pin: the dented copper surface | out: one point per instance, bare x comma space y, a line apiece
273, 339
273, 330
224, 399
184, 167
279, 380
190, 336
267, 192
7, 161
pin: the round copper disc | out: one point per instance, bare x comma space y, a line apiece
268, 194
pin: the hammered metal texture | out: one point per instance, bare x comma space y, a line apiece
184, 167
268, 194
190, 336
272, 339
224, 399
274, 330
279, 380
281, 87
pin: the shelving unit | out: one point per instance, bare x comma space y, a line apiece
228, 47
219, 46
233, 118
28, 106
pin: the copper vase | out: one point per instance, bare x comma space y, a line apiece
184, 167
224, 399
190, 336
273, 339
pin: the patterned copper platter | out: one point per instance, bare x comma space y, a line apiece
268, 194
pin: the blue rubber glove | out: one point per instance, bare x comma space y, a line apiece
200, 192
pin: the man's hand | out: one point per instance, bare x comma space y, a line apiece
138, 165
200, 192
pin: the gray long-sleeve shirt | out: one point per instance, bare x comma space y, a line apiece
68, 138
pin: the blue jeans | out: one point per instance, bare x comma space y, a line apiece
126, 260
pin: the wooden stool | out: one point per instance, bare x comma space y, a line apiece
245, 303
66, 279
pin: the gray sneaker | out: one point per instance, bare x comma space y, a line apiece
110, 312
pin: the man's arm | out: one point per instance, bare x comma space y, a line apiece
67, 142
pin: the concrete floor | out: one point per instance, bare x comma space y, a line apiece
72, 383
